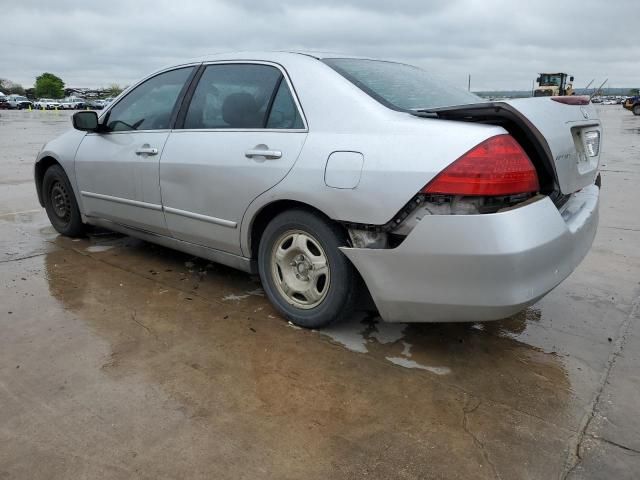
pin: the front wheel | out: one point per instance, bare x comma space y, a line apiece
60, 203
636, 110
303, 272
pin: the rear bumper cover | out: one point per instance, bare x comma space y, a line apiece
479, 267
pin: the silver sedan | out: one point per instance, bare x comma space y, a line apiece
339, 180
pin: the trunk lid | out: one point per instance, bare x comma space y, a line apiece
552, 133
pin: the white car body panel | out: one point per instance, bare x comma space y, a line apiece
199, 193
118, 184
219, 174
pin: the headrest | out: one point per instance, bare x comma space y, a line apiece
240, 110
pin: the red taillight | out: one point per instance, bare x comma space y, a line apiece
573, 99
497, 166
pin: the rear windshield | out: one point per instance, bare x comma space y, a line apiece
400, 86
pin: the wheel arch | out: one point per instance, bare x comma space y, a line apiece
261, 218
42, 165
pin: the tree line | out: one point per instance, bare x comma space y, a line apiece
47, 85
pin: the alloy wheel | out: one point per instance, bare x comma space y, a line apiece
300, 269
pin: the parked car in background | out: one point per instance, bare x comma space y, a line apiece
108, 100
4, 103
97, 104
73, 103
448, 207
632, 104
18, 102
47, 104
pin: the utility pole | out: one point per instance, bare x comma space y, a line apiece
469, 83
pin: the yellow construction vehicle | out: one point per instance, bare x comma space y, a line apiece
553, 84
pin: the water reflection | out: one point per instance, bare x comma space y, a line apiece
142, 319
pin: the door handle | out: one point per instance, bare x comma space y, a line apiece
264, 152
147, 151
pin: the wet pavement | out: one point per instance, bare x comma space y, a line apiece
121, 359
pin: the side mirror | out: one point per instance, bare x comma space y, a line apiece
571, 79
86, 121
538, 80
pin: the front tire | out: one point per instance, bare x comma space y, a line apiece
60, 203
636, 110
304, 274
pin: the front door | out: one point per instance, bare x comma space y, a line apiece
117, 170
242, 133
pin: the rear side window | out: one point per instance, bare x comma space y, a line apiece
242, 96
400, 86
284, 113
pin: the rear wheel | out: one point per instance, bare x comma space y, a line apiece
60, 203
636, 109
303, 272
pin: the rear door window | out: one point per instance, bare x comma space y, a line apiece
284, 112
242, 96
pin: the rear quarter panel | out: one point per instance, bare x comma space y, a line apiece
401, 153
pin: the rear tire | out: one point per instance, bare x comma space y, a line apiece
60, 203
636, 110
304, 274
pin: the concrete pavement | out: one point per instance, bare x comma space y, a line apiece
121, 359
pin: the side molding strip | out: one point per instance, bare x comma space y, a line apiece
203, 218
125, 201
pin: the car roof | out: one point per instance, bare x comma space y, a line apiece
275, 55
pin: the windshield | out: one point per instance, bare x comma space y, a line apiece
399, 86
550, 80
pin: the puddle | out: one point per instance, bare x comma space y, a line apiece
233, 297
99, 248
258, 292
366, 335
348, 335
388, 332
404, 362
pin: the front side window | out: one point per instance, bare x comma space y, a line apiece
149, 106
242, 96
400, 86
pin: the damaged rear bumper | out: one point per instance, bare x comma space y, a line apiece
479, 267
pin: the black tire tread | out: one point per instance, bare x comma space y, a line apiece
339, 304
74, 227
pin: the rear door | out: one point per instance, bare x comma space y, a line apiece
242, 131
118, 170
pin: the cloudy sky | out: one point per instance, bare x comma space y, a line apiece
502, 44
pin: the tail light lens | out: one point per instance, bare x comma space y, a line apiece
498, 166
